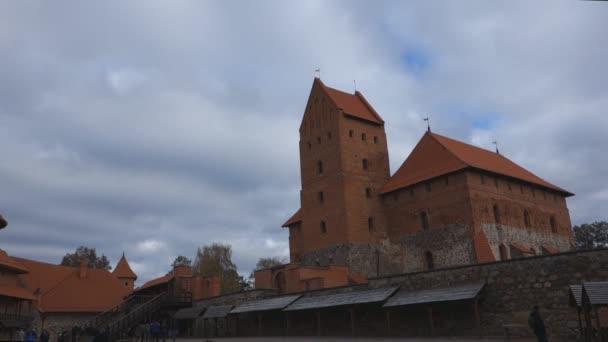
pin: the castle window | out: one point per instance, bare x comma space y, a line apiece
323, 227
319, 140
368, 192
496, 182
483, 179
320, 167
509, 185
321, 197
526, 218
329, 135
126, 283
364, 164
309, 145
553, 224
428, 258
370, 223
363, 136
502, 250
350, 133
375, 140
427, 185
496, 214
424, 220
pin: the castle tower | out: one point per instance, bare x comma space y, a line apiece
124, 273
344, 164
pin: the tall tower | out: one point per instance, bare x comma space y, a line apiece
124, 273
344, 164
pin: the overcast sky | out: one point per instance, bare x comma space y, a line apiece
156, 127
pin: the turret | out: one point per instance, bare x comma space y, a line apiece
124, 273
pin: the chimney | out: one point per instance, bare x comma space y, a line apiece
84, 265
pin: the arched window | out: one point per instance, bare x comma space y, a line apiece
527, 218
363, 136
365, 164
502, 250
321, 197
279, 282
370, 223
320, 167
496, 213
424, 220
553, 224
368, 192
323, 227
428, 258
350, 133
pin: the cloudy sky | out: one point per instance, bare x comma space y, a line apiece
156, 127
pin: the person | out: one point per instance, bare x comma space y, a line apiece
45, 336
535, 321
21, 335
31, 336
155, 330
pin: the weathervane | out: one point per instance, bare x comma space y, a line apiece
355, 82
318, 72
496, 143
428, 124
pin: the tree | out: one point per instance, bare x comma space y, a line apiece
88, 254
3, 222
264, 263
216, 260
591, 235
179, 261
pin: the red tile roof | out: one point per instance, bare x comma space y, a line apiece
63, 290
436, 155
156, 282
482, 248
11, 264
522, 248
16, 292
297, 217
123, 270
352, 104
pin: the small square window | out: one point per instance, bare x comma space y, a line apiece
321, 197
365, 164
368, 192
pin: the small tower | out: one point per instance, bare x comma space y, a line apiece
124, 273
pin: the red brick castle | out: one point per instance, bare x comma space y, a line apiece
448, 204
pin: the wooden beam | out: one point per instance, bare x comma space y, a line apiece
388, 323
429, 310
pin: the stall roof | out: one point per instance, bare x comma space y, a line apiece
462, 292
576, 292
597, 292
339, 299
188, 313
277, 303
218, 311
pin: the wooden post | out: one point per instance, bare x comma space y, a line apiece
388, 323
318, 313
429, 310
286, 323
352, 321
477, 317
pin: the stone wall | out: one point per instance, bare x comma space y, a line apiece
498, 234
514, 286
57, 322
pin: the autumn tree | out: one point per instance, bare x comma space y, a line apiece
591, 235
180, 261
88, 254
216, 260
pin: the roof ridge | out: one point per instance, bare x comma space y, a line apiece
368, 105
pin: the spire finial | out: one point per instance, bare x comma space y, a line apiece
355, 82
318, 73
495, 142
428, 124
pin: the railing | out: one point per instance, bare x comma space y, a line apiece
103, 319
141, 313
18, 321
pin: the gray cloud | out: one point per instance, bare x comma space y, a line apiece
156, 127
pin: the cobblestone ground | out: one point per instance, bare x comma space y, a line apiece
342, 339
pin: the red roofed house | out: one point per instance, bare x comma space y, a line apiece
124, 273
450, 203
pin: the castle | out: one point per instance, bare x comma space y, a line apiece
449, 203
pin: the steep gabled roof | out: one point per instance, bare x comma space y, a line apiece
297, 217
354, 105
11, 264
436, 155
16, 292
63, 290
123, 270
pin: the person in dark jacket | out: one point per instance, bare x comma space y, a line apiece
535, 322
